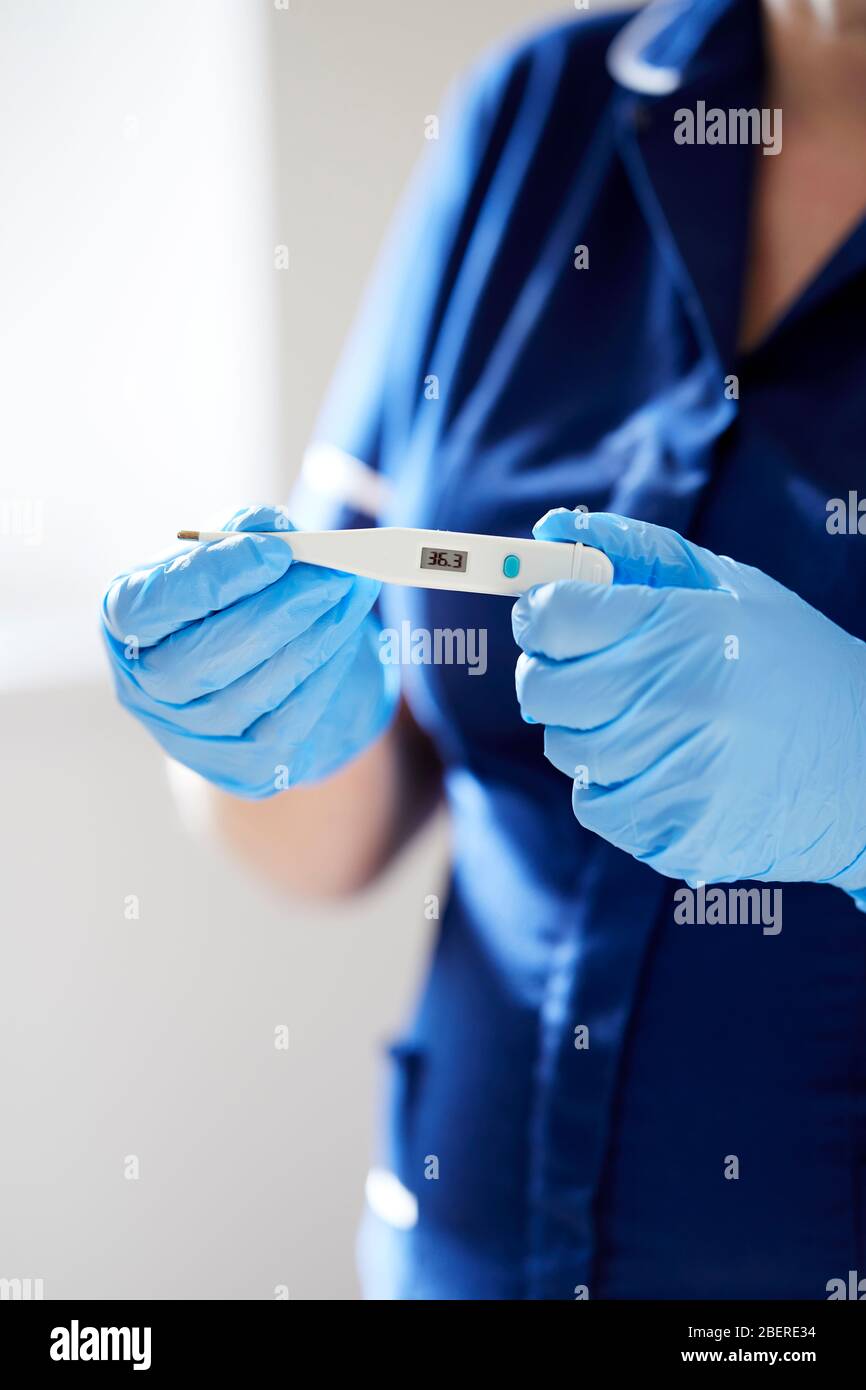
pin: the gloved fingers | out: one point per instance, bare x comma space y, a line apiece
660, 815
640, 553
152, 603
611, 754
188, 582
590, 690
570, 618
232, 709
261, 517
265, 758
647, 670
212, 654
345, 727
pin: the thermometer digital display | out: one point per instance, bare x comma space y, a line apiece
443, 559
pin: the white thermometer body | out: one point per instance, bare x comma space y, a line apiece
441, 559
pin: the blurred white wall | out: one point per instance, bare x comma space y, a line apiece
155, 367
139, 343
154, 1036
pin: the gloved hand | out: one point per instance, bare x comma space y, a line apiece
255, 672
714, 723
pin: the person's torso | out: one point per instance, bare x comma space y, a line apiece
616, 386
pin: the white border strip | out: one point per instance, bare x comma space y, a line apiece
624, 61
328, 472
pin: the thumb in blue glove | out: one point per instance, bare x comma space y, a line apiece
254, 671
712, 721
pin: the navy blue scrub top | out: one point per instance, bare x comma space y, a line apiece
487, 380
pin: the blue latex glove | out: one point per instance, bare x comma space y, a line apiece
714, 723
256, 672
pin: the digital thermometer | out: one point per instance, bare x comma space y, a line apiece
440, 559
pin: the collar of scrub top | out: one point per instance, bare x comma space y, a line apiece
670, 55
